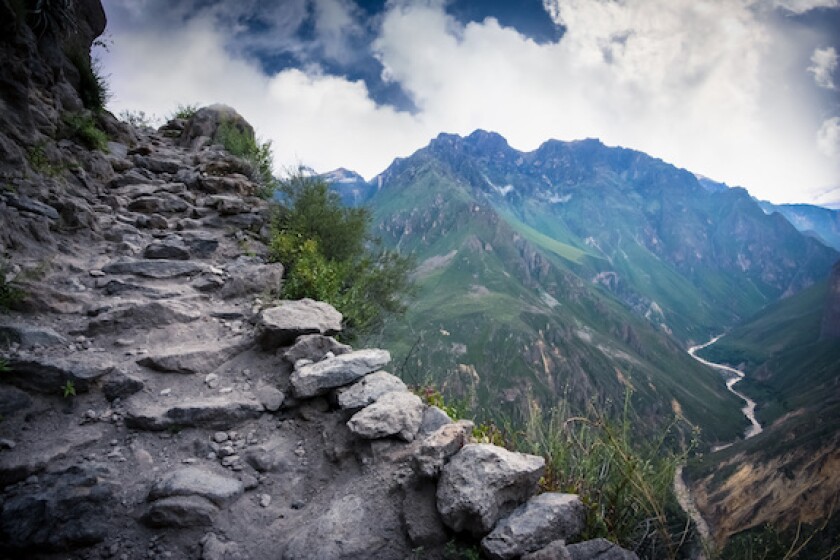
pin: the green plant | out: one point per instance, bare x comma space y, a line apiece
626, 484
69, 389
40, 163
4, 366
242, 143
328, 256
93, 87
82, 127
184, 111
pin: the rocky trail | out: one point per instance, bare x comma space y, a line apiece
159, 401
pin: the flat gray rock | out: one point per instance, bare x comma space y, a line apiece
143, 315
393, 414
218, 413
28, 336
368, 389
249, 275
482, 483
533, 525
180, 512
281, 325
155, 268
599, 549
316, 379
49, 375
195, 358
193, 481
167, 249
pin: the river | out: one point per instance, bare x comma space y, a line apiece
684, 497
733, 377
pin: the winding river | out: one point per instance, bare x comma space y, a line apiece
733, 376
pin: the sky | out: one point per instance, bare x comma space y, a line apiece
745, 92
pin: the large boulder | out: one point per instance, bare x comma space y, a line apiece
281, 325
482, 483
203, 127
533, 525
393, 414
316, 379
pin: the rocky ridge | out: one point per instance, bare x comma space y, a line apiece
157, 400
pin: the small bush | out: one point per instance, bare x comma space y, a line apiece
184, 112
83, 129
259, 155
328, 256
93, 88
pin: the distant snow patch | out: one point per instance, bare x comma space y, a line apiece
549, 300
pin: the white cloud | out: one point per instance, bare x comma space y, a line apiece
824, 63
802, 6
694, 83
828, 137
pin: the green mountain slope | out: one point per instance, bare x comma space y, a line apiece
502, 320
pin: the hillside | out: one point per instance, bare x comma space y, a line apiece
787, 474
583, 269
820, 223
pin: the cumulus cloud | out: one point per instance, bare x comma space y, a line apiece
824, 63
828, 137
684, 81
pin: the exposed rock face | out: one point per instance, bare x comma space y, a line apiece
482, 483
830, 327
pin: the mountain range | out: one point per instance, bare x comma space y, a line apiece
579, 271
576, 270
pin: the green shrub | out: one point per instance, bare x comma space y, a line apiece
328, 256
626, 484
93, 88
83, 128
184, 111
259, 155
